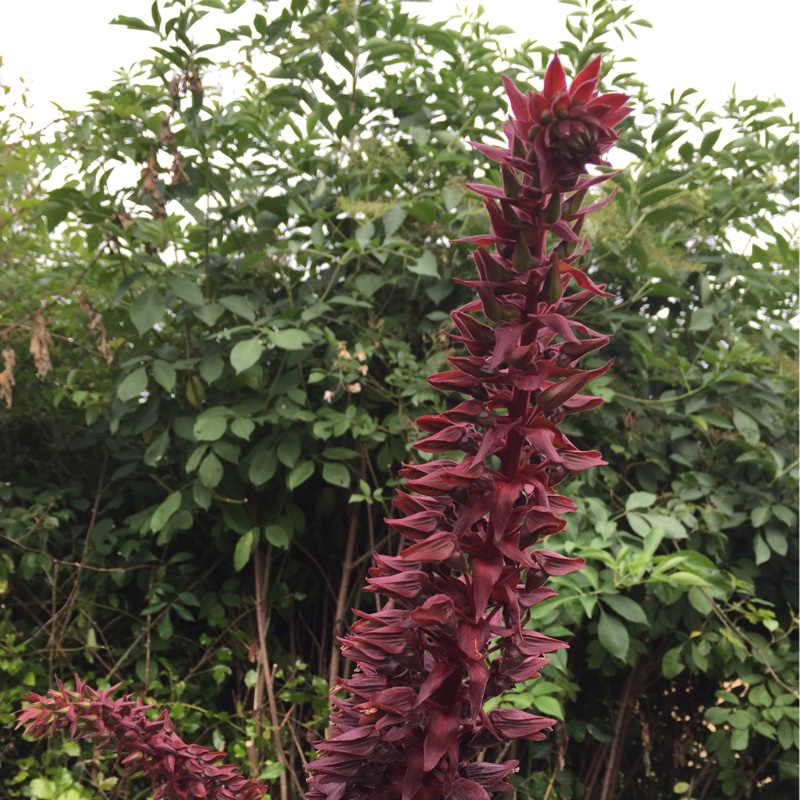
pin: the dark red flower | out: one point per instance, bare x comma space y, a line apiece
412, 718
178, 771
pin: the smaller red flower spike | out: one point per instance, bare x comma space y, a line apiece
178, 771
412, 719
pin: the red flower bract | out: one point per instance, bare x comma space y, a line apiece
453, 633
178, 771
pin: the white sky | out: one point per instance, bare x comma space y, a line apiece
64, 48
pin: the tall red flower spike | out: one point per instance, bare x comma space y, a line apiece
453, 633
178, 771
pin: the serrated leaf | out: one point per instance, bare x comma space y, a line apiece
164, 374
336, 474
147, 310
626, 607
211, 471
244, 549
300, 474
134, 23
246, 353
613, 635
163, 513
290, 338
132, 385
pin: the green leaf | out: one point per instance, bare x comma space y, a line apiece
241, 306
425, 265
613, 635
740, 738
364, 234
339, 454
156, 449
263, 463
747, 426
336, 474
244, 549
671, 664
626, 607
210, 426
133, 385
211, 367
163, 513
134, 23
165, 374
164, 628
147, 310
242, 427
300, 474
762, 550
194, 458
760, 516
640, 500
246, 353
777, 540
209, 313
288, 450
549, 706
393, 219
290, 338
709, 140
211, 471
638, 523
186, 290
277, 536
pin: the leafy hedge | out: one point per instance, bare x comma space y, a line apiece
232, 299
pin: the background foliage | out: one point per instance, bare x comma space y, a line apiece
223, 285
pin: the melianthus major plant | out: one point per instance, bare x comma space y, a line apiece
453, 634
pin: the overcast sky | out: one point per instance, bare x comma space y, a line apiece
64, 48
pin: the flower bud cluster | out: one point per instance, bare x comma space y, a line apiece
453, 633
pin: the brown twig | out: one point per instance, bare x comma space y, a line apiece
341, 600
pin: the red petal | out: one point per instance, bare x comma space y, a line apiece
554, 80
519, 102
